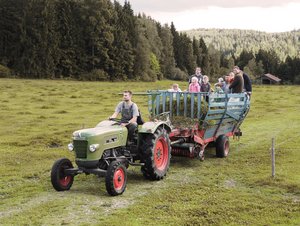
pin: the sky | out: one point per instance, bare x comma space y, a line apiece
261, 15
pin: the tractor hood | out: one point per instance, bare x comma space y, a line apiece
103, 128
89, 144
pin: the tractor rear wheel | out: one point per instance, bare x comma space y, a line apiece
60, 181
156, 154
222, 146
116, 178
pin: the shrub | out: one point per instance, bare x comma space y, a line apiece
297, 80
4, 72
178, 74
94, 75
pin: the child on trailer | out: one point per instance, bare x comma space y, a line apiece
194, 87
175, 88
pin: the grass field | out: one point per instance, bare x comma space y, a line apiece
37, 118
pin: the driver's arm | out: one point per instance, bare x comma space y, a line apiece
114, 115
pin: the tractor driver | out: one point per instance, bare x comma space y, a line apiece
129, 112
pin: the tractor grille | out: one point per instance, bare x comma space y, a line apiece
80, 147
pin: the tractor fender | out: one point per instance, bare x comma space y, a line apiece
151, 127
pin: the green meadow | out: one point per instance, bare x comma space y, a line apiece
37, 118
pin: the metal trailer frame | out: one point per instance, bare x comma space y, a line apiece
225, 113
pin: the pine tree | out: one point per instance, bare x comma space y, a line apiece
12, 15
176, 47
167, 60
149, 28
244, 58
269, 60
187, 55
197, 51
142, 67
123, 52
203, 61
65, 27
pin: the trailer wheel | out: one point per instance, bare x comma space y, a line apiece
60, 181
222, 146
156, 154
116, 178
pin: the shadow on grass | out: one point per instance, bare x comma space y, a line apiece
183, 161
279, 183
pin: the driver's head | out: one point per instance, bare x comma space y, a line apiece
127, 94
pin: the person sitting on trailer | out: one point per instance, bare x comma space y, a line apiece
197, 74
228, 80
218, 88
206, 87
221, 83
175, 88
237, 84
194, 87
247, 87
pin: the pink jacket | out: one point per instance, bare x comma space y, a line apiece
194, 87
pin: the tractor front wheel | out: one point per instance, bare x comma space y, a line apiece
156, 154
222, 146
116, 178
60, 181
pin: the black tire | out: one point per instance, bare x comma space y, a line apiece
222, 146
116, 178
155, 154
59, 180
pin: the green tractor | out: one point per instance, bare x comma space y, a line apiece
104, 151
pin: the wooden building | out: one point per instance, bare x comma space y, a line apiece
268, 79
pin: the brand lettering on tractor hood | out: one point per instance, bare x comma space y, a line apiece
111, 140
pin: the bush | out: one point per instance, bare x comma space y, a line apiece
94, 75
178, 74
297, 80
4, 72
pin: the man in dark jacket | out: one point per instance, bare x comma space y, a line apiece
247, 81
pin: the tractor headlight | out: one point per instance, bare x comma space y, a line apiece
70, 146
93, 147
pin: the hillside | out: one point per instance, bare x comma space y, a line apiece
235, 40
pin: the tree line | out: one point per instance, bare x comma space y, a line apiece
104, 40
235, 41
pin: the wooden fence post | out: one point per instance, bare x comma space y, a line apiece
273, 157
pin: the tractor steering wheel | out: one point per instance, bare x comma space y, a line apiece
119, 121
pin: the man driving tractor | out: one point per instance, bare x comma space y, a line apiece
129, 113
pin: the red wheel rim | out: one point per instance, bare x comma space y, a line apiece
65, 181
226, 148
119, 179
161, 153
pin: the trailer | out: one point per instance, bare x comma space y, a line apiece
199, 119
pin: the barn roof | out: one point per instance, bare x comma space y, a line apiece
272, 77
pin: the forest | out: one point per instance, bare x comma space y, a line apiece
101, 40
234, 41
